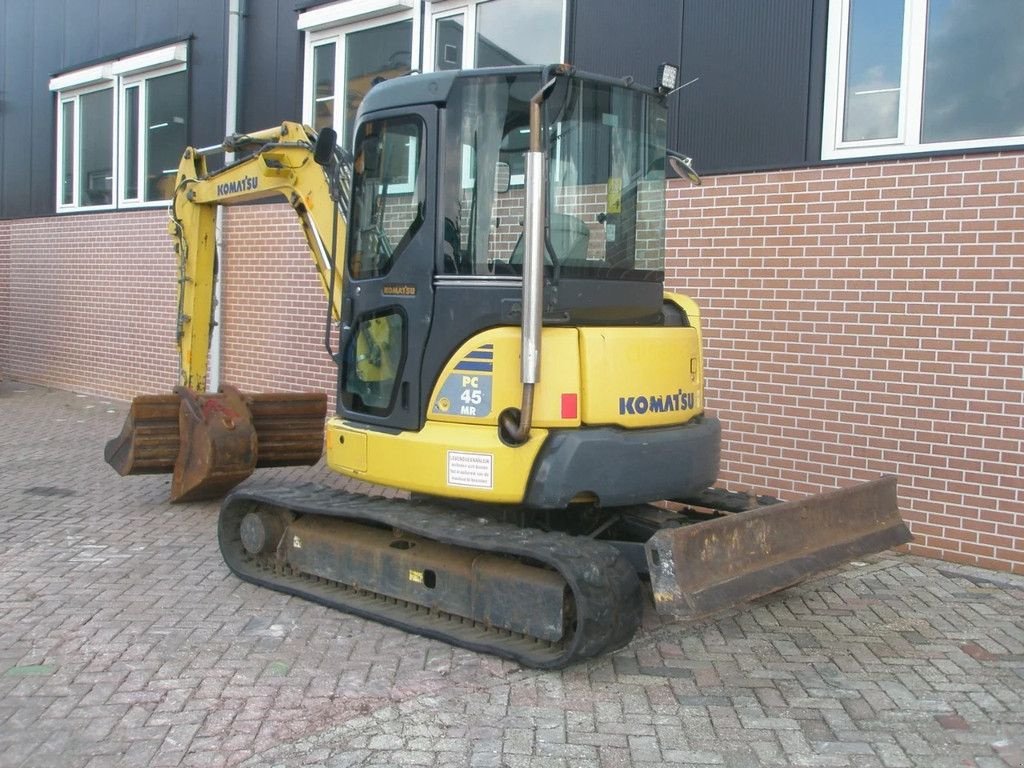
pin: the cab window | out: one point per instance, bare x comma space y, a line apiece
387, 194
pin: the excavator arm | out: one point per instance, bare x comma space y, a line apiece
212, 441
281, 165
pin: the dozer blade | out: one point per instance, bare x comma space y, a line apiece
702, 568
213, 442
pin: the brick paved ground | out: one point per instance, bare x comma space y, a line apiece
124, 641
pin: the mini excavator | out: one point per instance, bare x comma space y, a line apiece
493, 255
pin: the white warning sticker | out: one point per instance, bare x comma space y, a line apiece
470, 470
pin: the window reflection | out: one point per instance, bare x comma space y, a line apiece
131, 143
166, 98
874, 73
387, 202
518, 32
373, 362
67, 187
323, 86
96, 148
448, 42
974, 70
371, 55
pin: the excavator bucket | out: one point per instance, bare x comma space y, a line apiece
218, 444
212, 442
699, 569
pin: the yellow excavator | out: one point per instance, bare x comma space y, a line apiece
493, 254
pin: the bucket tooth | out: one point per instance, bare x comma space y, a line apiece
702, 568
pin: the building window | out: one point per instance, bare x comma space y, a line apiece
121, 128
494, 33
920, 75
349, 48
352, 44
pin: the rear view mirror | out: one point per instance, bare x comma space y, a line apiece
502, 178
326, 142
683, 166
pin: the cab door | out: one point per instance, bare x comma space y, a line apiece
388, 285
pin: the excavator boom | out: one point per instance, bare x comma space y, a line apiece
213, 441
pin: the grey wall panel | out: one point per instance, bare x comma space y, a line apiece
302, 5
43, 37
158, 20
206, 24
81, 30
30, 46
47, 39
816, 82
118, 22
272, 65
750, 107
3, 96
15, 109
616, 38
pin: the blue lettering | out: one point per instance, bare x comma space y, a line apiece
245, 184
667, 403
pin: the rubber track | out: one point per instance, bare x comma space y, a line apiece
605, 589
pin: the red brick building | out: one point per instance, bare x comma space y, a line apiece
857, 247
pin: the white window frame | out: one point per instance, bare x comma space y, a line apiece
117, 75
137, 80
74, 97
441, 9
331, 24
908, 135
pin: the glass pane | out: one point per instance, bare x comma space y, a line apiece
67, 153
323, 86
483, 216
96, 148
448, 42
131, 143
371, 55
166, 110
974, 70
874, 70
606, 196
518, 32
373, 362
607, 177
387, 201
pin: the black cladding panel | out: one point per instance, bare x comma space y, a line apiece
755, 103
41, 38
271, 88
624, 39
750, 107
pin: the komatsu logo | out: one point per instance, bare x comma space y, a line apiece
673, 401
244, 184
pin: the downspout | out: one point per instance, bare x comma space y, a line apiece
236, 14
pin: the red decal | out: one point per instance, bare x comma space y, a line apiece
570, 405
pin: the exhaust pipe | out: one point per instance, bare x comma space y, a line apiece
533, 272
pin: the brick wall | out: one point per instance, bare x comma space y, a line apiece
91, 302
859, 320
869, 319
274, 305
